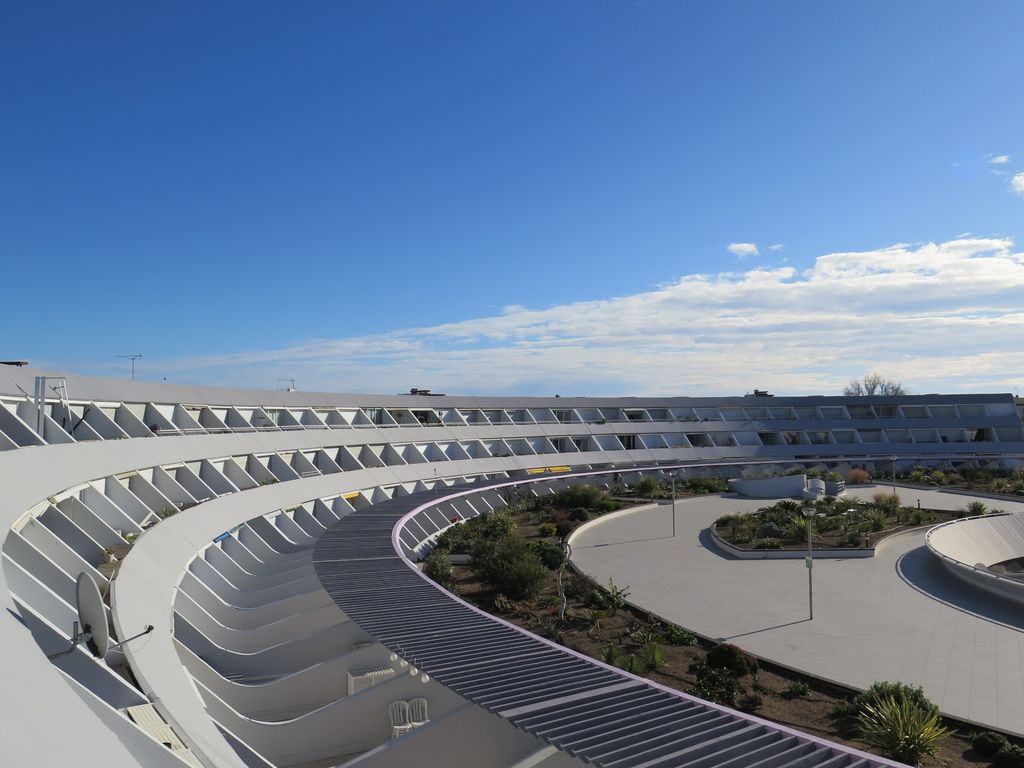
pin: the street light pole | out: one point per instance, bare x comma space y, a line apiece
809, 517
893, 457
673, 505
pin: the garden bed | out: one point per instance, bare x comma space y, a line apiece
837, 525
598, 622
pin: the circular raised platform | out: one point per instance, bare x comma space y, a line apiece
986, 551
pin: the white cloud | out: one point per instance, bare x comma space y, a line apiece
938, 317
777, 247
1017, 184
999, 159
743, 250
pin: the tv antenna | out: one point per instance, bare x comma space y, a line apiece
92, 620
133, 358
291, 384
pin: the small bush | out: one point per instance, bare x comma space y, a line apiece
880, 690
577, 587
766, 544
563, 528
579, 515
550, 554
715, 685
614, 597
976, 508
652, 657
729, 657
857, 476
1009, 756
988, 743
547, 529
586, 496
612, 654
437, 568
678, 636
706, 484
502, 604
646, 486
797, 690
749, 701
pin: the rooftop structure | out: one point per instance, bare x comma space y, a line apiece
269, 537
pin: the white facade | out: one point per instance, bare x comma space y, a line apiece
250, 660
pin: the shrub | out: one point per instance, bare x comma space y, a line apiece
563, 528
715, 685
594, 599
614, 597
706, 484
579, 515
880, 690
988, 743
832, 523
612, 654
1009, 756
550, 554
502, 604
796, 530
634, 666
729, 657
646, 486
463, 537
976, 508
511, 565
856, 476
876, 520
651, 656
902, 729
586, 496
547, 529
797, 690
766, 544
675, 635
749, 701
437, 568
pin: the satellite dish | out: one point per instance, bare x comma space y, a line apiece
92, 615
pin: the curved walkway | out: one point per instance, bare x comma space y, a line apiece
896, 616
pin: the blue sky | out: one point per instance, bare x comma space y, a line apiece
323, 190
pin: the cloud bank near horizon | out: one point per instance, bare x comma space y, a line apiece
938, 317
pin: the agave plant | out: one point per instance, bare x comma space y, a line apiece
651, 657
902, 729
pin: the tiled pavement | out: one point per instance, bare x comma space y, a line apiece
896, 616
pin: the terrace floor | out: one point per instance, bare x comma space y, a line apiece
897, 616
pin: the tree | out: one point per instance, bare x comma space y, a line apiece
873, 384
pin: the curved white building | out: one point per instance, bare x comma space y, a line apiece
269, 538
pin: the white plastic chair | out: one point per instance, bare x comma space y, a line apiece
399, 713
418, 712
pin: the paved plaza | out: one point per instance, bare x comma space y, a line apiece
896, 616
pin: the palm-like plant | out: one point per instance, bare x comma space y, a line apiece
651, 657
902, 729
977, 508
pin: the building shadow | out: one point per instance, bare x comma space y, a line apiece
921, 570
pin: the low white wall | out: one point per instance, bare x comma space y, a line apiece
769, 487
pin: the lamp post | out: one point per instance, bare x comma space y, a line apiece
893, 457
673, 505
809, 517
